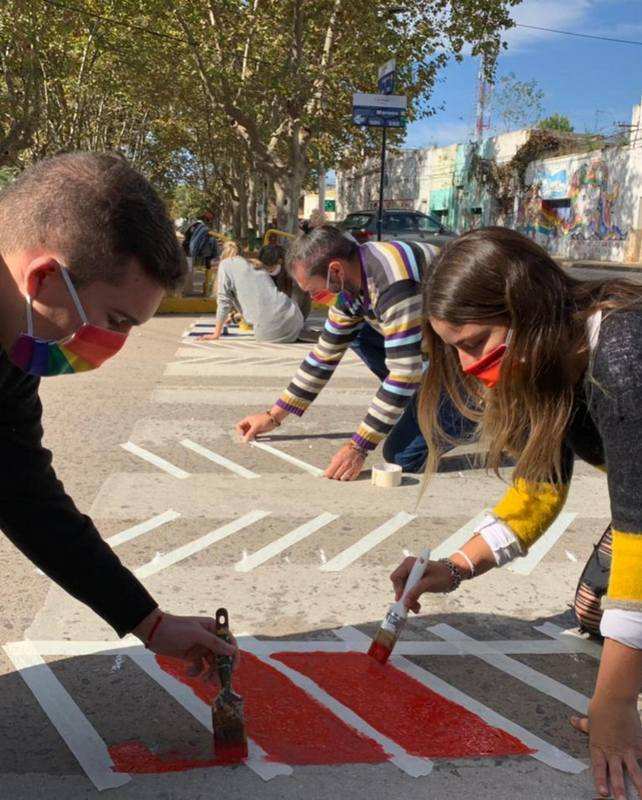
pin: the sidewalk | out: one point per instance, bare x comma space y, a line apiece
614, 265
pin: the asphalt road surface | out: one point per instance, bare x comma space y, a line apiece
474, 705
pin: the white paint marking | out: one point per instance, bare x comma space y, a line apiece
318, 473
187, 550
524, 566
582, 643
412, 765
157, 461
523, 673
460, 537
143, 527
202, 712
217, 459
249, 563
364, 545
570, 556
73, 726
544, 752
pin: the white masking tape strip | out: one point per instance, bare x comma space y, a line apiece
202, 712
157, 461
142, 527
220, 460
73, 726
406, 647
525, 565
412, 765
460, 537
387, 476
370, 540
279, 545
318, 473
190, 549
572, 637
527, 675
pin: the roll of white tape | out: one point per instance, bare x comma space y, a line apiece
387, 475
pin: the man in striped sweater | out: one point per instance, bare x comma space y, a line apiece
377, 312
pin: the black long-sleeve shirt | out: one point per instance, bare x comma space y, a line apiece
42, 520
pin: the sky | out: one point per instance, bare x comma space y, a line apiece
594, 83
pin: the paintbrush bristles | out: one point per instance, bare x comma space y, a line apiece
382, 645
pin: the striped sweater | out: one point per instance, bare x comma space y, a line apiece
606, 431
391, 301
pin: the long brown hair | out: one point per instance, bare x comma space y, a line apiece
496, 273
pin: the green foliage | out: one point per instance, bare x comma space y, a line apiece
225, 96
517, 103
557, 122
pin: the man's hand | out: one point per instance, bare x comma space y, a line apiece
193, 639
250, 427
346, 464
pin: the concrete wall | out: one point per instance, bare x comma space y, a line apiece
587, 205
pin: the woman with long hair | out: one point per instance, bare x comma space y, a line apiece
550, 367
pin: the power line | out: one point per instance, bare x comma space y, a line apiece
131, 25
580, 35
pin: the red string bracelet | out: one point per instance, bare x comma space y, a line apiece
159, 619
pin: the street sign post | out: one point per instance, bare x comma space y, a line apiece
387, 76
381, 111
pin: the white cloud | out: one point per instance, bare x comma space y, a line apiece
545, 14
427, 132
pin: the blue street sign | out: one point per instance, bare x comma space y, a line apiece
379, 110
387, 72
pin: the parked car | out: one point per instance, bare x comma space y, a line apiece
397, 224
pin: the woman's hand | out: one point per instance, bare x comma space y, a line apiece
346, 465
437, 578
615, 744
613, 723
192, 639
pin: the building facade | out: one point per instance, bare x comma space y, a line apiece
585, 204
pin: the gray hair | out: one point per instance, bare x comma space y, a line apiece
315, 249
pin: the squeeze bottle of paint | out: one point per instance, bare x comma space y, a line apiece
394, 621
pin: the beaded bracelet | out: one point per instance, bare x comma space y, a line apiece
456, 576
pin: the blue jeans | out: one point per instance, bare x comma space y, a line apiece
405, 444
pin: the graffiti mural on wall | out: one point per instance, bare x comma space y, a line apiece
591, 195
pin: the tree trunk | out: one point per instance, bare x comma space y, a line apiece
281, 197
322, 187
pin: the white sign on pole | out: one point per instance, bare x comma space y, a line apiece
379, 110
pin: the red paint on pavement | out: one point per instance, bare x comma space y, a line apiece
285, 721
136, 757
421, 721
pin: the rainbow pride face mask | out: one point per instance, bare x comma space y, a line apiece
86, 348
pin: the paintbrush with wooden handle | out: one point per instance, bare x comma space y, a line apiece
395, 620
228, 723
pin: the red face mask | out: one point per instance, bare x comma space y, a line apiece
487, 369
